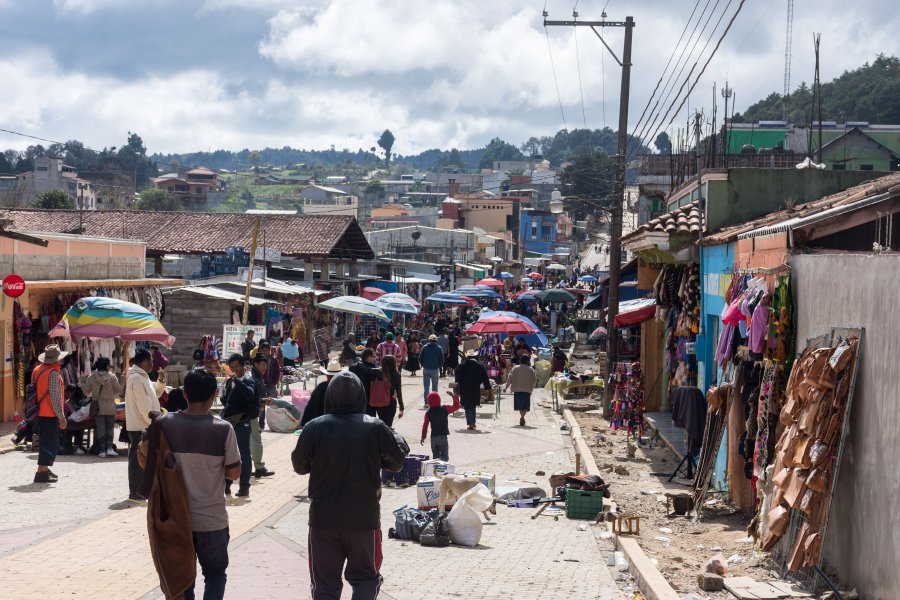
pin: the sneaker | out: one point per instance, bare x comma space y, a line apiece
42, 477
262, 472
53, 476
101, 454
111, 453
243, 493
79, 451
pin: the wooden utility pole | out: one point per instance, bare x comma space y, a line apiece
250, 272
615, 242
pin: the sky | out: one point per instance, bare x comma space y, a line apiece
190, 75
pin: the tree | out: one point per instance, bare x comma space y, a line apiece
663, 144
499, 150
133, 157
386, 142
54, 199
155, 199
592, 177
255, 158
375, 187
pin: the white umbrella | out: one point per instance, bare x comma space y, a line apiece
556, 267
396, 305
355, 306
402, 298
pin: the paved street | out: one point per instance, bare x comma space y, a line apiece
97, 544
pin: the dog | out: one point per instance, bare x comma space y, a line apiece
454, 486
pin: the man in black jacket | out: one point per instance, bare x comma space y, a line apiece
367, 371
343, 452
470, 377
241, 407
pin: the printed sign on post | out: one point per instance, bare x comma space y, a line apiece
233, 336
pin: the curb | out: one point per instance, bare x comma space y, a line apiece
650, 581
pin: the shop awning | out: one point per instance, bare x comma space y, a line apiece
213, 292
633, 312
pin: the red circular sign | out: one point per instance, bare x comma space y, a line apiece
13, 286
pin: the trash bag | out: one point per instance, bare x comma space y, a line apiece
280, 420
543, 371
409, 523
464, 521
437, 532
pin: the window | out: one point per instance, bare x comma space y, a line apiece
40, 168
534, 230
839, 168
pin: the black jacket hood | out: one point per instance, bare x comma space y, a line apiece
345, 395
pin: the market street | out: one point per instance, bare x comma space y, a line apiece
98, 548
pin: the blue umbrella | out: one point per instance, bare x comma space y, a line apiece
536, 339
447, 298
588, 278
505, 275
476, 292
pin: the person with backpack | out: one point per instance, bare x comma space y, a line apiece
387, 394
436, 416
48, 386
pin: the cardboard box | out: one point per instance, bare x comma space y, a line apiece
436, 468
488, 479
428, 491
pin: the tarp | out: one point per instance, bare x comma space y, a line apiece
632, 312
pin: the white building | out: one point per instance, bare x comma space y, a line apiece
322, 200
50, 173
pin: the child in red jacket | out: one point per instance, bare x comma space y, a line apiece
440, 428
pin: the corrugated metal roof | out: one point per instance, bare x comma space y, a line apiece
214, 292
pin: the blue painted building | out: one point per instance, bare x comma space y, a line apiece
537, 230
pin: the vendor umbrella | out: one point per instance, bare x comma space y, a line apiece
534, 339
579, 291
476, 292
504, 275
370, 293
555, 296
535, 275
354, 305
587, 278
396, 305
491, 282
555, 267
402, 297
449, 298
105, 318
598, 332
501, 324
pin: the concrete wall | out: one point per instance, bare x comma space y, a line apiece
863, 539
73, 258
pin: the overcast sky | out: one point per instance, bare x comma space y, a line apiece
205, 74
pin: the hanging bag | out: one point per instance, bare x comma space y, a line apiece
95, 403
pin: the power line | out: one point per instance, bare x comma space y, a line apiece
555, 79
580, 89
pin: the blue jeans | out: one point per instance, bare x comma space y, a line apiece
440, 448
431, 375
212, 552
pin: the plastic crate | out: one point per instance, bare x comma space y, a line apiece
412, 468
582, 504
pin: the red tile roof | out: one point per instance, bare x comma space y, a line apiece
685, 219
320, 236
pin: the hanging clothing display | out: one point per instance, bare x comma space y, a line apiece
627, 405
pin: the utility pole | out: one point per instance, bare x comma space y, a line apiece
701, 207
615, 242
246, 313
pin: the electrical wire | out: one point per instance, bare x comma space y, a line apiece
555, 79
580, 89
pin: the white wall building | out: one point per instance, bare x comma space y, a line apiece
322, 200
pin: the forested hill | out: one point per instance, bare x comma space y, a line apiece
870, 93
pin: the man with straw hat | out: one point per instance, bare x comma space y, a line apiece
48, 383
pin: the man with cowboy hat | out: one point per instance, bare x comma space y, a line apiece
470, 377
316, 405
51, 417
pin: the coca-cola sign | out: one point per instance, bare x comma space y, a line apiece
13, 286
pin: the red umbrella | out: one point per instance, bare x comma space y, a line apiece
501, 324
535, 275
579, 291
471, 301
633, 312
490, 281
370, 293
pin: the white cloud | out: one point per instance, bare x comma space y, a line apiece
85, 7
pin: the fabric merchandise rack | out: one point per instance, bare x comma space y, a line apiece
627, 406
812, 578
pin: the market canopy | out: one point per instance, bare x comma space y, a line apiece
370, 293
555, 296
397, 305
555, 267
501, 324
535, 339
476, 292
449, 298
490, 282
587, 278
402, 297
354, 305
633, 312
504, 275
106, 318
535, 275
